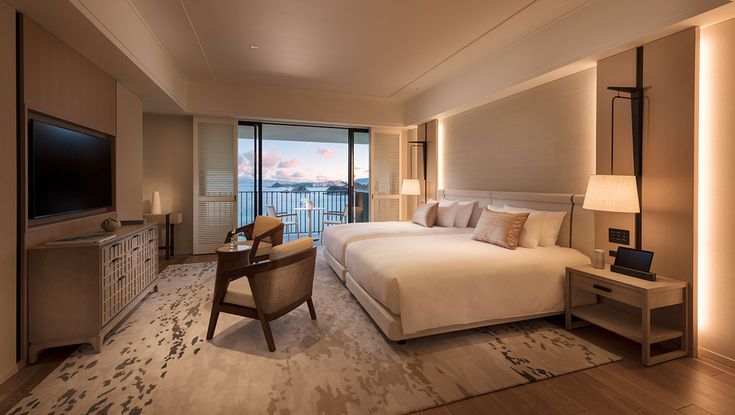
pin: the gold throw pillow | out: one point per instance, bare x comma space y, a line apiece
500, 228
425, 214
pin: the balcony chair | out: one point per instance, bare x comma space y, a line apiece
334, 217
271, 211
266, 290
262, 235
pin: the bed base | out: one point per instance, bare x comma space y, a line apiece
390, 324
338, 268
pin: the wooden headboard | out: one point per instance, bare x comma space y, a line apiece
577, 230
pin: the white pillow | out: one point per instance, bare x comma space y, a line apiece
447, 212
532, 228
551, 225
464, 212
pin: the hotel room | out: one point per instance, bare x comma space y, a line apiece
335, 207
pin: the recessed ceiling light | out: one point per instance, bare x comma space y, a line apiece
253, 46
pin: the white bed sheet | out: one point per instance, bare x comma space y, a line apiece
445, 280
336, 238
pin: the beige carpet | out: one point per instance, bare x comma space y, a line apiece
159, 363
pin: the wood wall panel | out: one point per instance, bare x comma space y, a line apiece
60, 82
617, 70
669, 140
670, 135
8, 186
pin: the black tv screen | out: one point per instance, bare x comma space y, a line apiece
68, 171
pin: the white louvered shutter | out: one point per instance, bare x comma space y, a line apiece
215, 173
385, 175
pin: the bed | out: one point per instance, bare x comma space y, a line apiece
336, 238
414, 286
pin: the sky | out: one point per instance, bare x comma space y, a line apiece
295, 161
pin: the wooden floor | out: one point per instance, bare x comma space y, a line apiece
682, 386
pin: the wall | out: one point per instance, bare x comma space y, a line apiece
129, 155
167, 168
8, 214
717, 193
550, 127
669, 146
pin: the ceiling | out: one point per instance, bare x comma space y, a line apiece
380, 48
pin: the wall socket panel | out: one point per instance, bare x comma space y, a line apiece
618, 236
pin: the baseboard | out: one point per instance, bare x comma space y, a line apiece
717, 357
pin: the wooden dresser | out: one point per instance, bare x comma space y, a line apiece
78, 294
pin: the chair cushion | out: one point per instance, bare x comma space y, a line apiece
264, 248
264, 224
239, 293
291, 248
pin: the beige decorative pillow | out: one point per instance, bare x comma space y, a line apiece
425, 214
500, 228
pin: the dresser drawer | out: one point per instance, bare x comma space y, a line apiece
607, 289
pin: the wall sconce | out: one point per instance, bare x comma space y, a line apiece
422, 146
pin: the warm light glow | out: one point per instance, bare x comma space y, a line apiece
253, 46
612, 193
705, 198
440, 156
411, 187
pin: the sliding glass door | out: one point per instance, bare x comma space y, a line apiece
284, 169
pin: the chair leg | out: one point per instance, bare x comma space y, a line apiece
212, 322
312, 311
268, 335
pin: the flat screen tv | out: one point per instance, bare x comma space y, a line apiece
69, 170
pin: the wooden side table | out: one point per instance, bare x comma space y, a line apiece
168, 220
642, 294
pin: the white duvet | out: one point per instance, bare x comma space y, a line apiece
337, 238
446, 280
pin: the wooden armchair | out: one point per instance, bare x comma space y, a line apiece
266, 290
262, 235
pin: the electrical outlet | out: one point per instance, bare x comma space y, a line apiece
618, 236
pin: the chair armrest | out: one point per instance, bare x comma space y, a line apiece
265, 266
284, 214
247, 230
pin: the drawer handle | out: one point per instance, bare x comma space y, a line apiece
152, 240
602, 288
136, 248
148, 259
122, 277
114, 260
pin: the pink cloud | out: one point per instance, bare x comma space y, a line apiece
288, 164
298, 175
270, 159
325, 152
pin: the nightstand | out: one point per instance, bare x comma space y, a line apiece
641, 294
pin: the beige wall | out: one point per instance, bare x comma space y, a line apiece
129, 155
717, 193
8, 217
540, 140
167, 168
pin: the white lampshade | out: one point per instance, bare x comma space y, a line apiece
411, 187
156, 203
612, 193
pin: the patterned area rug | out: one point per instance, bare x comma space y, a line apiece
158, 361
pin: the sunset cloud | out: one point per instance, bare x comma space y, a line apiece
325, 152
288, 164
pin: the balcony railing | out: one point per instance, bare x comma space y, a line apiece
287, 202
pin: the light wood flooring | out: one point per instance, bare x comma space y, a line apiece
683, 386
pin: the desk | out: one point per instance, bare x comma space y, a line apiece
309, 213
168, 220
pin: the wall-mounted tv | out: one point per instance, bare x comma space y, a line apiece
69, 170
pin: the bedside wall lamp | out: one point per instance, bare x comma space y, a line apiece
417, 188
621, 193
